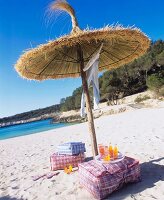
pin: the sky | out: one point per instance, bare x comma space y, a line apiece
25, 24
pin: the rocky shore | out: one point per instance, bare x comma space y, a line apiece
73, 116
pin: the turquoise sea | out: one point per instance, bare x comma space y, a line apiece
28, 128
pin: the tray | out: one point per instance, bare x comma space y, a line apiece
120, 157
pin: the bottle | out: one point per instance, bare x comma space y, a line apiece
115, 152
111, 151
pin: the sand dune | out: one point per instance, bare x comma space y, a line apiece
138, 133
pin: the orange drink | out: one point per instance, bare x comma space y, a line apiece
106, 152
111, 151
115, 152
101, 150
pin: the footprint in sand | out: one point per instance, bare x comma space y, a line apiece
4, 188
15, 179
15, 187
57, 193
153, 197
53, 181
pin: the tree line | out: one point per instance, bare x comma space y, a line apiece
135, 77
126, 80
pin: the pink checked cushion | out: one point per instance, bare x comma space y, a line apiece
102, 179
61, 161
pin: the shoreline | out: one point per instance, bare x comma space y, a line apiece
24, 122
74, 115
34, 131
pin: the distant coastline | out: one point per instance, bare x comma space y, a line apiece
55, 118
73, 116
30, 116
2, 125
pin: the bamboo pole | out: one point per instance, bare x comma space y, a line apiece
88, 102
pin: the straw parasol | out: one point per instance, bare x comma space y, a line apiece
67, 56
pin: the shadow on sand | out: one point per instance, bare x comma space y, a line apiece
151, 173
88, 159
9, 198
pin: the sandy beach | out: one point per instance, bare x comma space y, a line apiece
138, 133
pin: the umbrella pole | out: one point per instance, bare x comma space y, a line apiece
88, 102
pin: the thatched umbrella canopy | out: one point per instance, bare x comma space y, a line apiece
68, 55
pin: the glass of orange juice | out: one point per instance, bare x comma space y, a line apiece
106, 151
101, 150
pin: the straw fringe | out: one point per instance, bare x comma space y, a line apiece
62, 5
32, 60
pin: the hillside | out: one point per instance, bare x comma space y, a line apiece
114, 85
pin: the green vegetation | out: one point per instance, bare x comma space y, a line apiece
155, 82
137, 76
126, 80
32, 114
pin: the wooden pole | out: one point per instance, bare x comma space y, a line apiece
88, 102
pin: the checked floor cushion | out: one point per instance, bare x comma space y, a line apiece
61, 161
102, 179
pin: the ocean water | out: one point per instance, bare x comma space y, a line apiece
29, 128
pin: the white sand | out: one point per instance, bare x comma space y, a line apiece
138, 133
